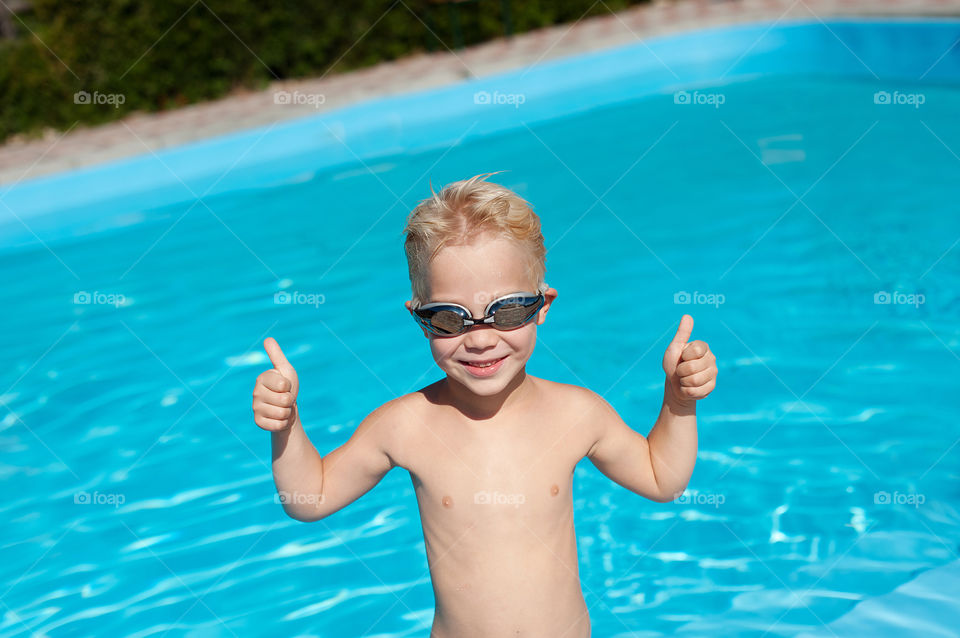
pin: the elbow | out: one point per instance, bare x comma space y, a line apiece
305, 508
671, 495
667, 497
299, 515
670, 490
304, 515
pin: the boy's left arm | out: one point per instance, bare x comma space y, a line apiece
659, 465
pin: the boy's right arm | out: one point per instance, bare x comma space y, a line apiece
312, 487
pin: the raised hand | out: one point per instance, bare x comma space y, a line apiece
275, 394
691, 368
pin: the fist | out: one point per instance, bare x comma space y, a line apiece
690, 367
275, 394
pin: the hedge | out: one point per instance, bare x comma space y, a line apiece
159, 54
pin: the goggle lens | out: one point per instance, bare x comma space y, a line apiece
508, 313
446, 322
512, 315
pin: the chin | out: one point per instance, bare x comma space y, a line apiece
484, 387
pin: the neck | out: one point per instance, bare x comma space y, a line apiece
477, 407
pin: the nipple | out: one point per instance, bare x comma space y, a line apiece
447, 501
554, 490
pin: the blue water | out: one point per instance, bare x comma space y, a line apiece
825, 401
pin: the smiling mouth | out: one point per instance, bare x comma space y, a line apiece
483, 364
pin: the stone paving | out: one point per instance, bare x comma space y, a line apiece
145, 132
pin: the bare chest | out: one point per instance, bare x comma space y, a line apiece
503, 477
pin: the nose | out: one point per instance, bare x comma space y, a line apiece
480, 338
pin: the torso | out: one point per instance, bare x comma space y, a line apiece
495, 500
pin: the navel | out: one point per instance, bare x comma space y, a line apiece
555, 489
447, 501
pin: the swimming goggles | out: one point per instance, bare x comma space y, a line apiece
509, 312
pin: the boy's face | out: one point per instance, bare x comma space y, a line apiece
473, 276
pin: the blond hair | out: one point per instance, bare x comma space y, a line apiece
459, 213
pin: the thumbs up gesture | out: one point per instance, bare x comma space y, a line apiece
275, 394
691, 368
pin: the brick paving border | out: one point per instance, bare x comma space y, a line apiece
143, 132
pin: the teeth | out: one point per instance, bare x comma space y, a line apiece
482, 365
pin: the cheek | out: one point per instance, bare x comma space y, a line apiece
522, 340
443, 348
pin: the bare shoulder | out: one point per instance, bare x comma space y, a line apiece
396, 422
382, 429
581, 408
567, 396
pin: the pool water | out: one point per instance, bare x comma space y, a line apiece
138, 497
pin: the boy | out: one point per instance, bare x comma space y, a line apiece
490, 449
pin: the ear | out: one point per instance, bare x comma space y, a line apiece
549, 295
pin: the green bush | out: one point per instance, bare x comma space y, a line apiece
159, 54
